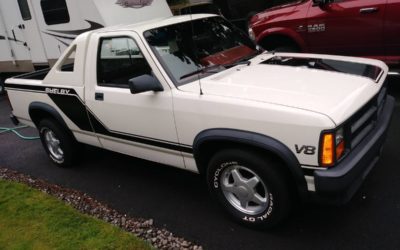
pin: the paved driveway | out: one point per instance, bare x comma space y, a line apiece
179, 200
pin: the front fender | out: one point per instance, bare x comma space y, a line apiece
246, 138
286, 32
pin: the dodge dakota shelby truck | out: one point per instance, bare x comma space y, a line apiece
195, 93
367, 28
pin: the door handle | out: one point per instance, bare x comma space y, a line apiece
99, 96
369, 10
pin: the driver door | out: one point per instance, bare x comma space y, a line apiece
347, 27
140, 125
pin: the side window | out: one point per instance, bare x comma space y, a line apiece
119, 59
24, 9
55, 11
68, 64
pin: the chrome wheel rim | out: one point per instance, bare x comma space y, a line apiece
53, 145
244, 190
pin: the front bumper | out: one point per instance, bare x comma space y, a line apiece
339, 184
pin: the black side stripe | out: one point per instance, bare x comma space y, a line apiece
100, 129
73, 107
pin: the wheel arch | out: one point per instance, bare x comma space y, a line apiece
208, 142
39, 111
282, 34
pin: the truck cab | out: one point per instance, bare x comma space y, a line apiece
365, 28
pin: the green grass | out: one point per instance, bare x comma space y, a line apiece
30, 219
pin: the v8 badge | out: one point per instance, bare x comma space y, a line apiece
307, 150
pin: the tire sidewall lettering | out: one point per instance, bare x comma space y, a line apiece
265, 215
217, 172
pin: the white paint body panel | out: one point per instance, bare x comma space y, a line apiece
324, 92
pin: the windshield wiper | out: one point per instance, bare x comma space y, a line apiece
241, 62
207, 69
244, 61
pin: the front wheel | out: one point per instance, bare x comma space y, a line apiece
251, 188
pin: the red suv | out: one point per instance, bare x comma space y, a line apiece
366, 28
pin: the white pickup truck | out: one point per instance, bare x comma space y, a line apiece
192, 92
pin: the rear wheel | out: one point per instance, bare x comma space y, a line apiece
61, 147
251, 188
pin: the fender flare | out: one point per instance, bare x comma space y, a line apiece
44, 107
289, 33
260, 141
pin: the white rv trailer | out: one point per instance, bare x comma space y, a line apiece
34, 33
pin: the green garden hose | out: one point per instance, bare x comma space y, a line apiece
14, 130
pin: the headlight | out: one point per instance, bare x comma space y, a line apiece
332, 147
251, 34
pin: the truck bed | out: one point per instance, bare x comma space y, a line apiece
35, 75
41, 74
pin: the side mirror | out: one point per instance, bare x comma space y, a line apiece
144, 83
320, 3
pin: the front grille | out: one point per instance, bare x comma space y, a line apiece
365, 119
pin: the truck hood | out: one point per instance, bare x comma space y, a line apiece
334, 94
279, 11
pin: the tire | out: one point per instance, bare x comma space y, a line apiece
61, 147
2, 88
236, 177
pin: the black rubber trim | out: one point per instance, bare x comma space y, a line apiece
264, 142
40, 106
345, 178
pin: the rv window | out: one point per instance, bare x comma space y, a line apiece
55, 11
119, 59
24, 9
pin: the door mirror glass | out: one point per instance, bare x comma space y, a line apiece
144, 83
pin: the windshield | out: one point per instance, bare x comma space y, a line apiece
185, 48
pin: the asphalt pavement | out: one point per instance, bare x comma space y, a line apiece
179, 201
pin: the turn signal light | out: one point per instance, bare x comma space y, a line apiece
339, 150
328, 147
